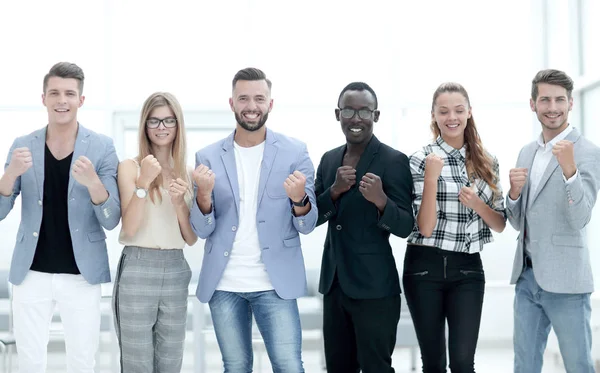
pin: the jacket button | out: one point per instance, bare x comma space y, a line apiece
225, 253
338, 227
40, 202
35, 234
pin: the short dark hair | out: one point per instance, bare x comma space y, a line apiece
65, 70
250, 73
358, 86
554, 77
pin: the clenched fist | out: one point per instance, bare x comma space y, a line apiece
149, 170
371, 188
294, 186
345, 178
565, 155
205, 181
433, 166
518, 177
177, 190
468, 197
83, 172
20, 162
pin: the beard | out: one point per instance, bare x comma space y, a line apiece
252, 127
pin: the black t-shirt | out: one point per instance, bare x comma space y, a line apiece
54, 251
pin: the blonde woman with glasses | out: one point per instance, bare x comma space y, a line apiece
151, 285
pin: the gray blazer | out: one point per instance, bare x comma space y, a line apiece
86, 220
556, 220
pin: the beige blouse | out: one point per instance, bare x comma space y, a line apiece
159, 228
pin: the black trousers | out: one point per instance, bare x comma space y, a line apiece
360, 334
443, 286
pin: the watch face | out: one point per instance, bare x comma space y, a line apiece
141, 193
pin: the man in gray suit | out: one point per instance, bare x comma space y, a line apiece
552, 193
67, 177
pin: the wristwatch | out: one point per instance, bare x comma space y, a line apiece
303, 202
141, 193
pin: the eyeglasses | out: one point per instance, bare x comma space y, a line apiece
168, 122
347, 113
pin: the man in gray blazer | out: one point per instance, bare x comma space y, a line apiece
67, 177
552, 193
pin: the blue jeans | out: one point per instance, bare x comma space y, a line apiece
536, 311
278, 321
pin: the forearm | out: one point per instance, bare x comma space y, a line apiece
98, 193
204, 203
183, 217
133, 215
494, 219
7, 183
427, 216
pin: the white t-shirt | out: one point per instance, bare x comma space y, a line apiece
245, 271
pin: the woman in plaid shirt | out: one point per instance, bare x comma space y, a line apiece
457, 200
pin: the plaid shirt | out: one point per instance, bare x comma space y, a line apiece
458, 228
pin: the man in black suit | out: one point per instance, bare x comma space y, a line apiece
364, 191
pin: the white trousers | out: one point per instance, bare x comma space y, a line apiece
79, 306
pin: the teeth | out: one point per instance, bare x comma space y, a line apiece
355, 130
251, 116
453, 125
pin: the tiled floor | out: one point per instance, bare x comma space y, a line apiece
488, 360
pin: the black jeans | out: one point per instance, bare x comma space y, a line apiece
360, 334
441, 286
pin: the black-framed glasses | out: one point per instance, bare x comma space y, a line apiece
169, 122
348, 113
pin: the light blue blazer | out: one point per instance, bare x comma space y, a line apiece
278, 228
86, 220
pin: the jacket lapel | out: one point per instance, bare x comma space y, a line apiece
38, 150
267, 162
228, 157
82, 142
361, 169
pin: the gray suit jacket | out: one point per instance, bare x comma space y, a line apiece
556, 220
86, 220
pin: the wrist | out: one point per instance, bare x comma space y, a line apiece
514, 195
142, 183
431, 179
569, 171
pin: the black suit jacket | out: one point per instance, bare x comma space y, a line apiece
357, 246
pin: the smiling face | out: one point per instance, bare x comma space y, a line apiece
451, 111
161, 135
552, 107
356, 114
62, 99
251, 103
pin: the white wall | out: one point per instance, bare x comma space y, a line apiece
310, 50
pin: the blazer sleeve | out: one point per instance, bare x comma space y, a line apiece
306, 223
7, 202
513, 208
108, 213
202, 225
325, 204
581, 194
397, 217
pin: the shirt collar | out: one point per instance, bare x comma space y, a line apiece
456, 153
551, 143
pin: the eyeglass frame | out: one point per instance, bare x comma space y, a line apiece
357, 112
161, 121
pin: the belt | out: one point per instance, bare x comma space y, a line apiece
528, 262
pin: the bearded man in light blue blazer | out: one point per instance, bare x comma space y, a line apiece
66, 175
254, 195
553, 191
